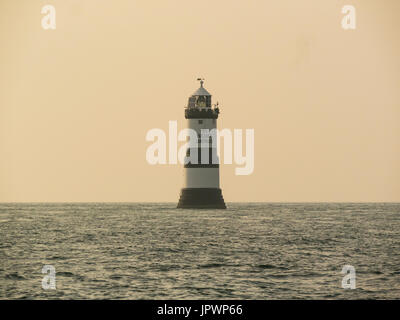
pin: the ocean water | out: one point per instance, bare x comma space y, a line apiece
155, 251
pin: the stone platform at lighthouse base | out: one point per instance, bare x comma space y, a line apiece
201, 198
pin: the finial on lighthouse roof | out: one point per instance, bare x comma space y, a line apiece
201, 81
201, 91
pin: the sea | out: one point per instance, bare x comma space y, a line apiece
265, 251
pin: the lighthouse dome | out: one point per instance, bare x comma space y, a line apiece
201, 92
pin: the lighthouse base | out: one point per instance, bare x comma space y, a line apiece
201, 198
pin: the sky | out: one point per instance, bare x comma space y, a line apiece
76, 102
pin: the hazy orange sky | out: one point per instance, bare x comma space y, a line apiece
76, 102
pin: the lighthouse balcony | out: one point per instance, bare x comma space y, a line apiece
201, 113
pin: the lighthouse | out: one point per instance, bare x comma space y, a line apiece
201, 178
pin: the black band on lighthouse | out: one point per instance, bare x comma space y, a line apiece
193, 113
201, 165
201, 198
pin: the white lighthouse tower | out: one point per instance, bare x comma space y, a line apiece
201, 179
